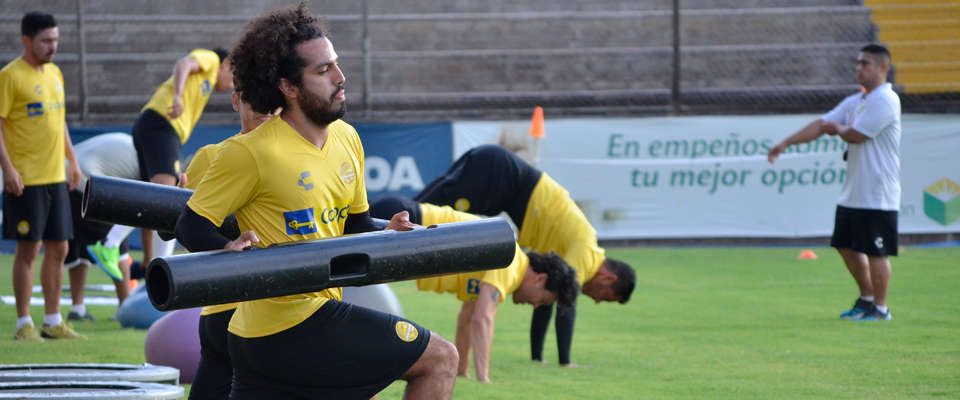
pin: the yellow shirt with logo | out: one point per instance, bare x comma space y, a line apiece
195, 171
196, 92
467, 286
553, 222
33, 110
285, 189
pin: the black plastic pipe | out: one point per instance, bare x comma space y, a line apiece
224, 276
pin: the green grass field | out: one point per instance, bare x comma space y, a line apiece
715, 323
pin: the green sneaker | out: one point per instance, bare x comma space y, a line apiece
108, 258
28, 333
62, 331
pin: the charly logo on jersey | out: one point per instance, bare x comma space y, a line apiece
300, 222
37, 89
347, 173
462, 204
23, 228
473, 286
205, 88
941, 201
878, 242
35, 109
302, 182
406, 331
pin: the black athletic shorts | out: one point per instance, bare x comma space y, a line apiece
342, 351
215, 372
157, 145
486, 180
42, 212
86, 233
872, 232
387, 205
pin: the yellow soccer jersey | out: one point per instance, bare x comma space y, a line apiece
196, 92
201, 162
467, 286
33, 110
553, 222
195, 171
285, 189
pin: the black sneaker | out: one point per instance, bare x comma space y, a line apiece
860, 307
74, 316
873, 314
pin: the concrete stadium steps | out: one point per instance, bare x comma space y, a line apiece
924, 39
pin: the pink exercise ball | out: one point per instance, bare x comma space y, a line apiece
173, 341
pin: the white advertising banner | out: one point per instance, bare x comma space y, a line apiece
695, 177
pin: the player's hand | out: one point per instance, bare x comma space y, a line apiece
12, 181
776, 151
176, 108
183, 181
246, 239
75, 175
401, 222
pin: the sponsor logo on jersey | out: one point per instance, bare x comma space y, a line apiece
941, 201
347, 173
462, 204
300, 222
406, 331
23, 228
35, 109
301, 183
205, 88
473, 286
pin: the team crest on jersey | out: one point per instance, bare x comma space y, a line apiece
406, 331
300, 222
347, 173
462, 204
473, 286
35, 109
23, 228
205, 88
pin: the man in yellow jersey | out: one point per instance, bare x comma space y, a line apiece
36, 208
536, 279
167, 121
215, 372
489, 180
299, 176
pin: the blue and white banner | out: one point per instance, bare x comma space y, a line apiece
693, 177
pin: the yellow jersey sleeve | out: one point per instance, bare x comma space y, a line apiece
231, 181
200, 163
344, 129
9, 87
507, 280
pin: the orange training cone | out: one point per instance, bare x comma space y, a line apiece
536, 125
134, 283
807, 255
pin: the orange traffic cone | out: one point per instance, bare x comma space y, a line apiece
536, 124
807, 255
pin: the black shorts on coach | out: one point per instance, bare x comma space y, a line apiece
486, 180
871, 232
42, 212
157, 145
342, 351
215, 372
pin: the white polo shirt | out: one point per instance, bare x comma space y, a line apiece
873, 166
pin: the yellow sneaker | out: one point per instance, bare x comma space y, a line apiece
28, 333
62, 331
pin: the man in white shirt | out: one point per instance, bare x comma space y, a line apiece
865, 230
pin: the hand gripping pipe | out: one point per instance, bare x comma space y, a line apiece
145, 205
225, 276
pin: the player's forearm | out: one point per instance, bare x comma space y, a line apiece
181, 71
68, 147
197, 233
481, 338
5, 162
850, 135
808, 133
462, 341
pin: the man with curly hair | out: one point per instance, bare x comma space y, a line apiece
533, 278
300, 176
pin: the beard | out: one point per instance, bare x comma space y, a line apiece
321, 112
